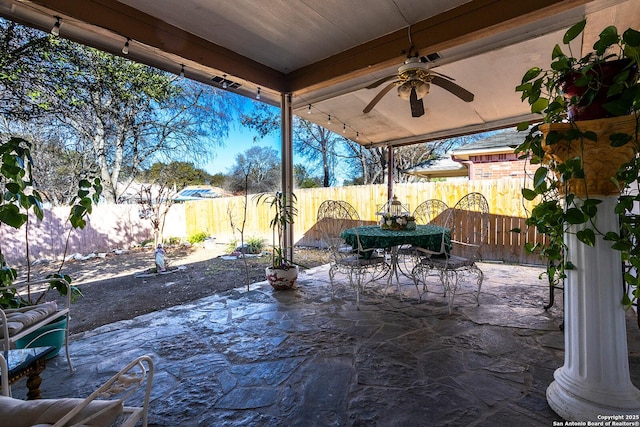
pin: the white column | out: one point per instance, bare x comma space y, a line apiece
594, 380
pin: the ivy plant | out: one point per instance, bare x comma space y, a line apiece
558, 208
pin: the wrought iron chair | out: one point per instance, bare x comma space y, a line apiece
431, 212
468, 223
360, 265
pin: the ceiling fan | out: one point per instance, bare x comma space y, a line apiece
413, 81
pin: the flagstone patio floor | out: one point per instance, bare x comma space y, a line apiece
303, 358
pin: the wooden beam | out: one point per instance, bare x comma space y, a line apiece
129, 22
469, 22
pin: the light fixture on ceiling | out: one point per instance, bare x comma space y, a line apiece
181, 70
125, 48
421, 88
224, 81
258, 94
56, 27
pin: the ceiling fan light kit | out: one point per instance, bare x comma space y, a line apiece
413, 81
421, 88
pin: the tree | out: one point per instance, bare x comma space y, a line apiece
319, 146
217, 179
127, 113
155, 202
24, 52
57, 169
176, 174
263, 164
303, 179
116, 114
367, 165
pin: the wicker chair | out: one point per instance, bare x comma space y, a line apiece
361, 266
468, 222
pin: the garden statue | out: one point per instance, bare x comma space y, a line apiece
160, 262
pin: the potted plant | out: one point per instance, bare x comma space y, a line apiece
283, 272
560, 144
586, 151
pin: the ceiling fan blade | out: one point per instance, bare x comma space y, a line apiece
458, 91
382, 80
442, 75
378, 97
417, 106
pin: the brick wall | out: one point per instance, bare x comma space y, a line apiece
498, 166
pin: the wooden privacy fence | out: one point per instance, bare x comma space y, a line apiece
222, 217
120, 226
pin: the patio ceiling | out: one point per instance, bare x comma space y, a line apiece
326, 52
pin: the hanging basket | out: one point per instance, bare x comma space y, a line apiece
600, 159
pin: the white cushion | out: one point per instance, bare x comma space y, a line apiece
27, 413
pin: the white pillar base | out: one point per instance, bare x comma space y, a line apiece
575, 402
594, 380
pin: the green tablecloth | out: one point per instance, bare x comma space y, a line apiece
372, 236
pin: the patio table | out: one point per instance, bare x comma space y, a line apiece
27, 362
372, 236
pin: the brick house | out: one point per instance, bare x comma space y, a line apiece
488, 158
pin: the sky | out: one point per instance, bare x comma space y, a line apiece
239, 140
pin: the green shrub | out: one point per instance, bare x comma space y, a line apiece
255, 245
198, 237
231, 246
174, 240
146, 242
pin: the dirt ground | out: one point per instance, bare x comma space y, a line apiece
122, 286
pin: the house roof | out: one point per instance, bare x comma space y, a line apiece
442, 167
501, 142
325, 54
199, 192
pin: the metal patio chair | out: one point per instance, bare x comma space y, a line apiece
431, 212
361, 266
455, 262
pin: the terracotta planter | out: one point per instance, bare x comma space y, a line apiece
605, 74
600, 160
281, 278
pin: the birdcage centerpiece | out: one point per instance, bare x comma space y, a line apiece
395, 216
